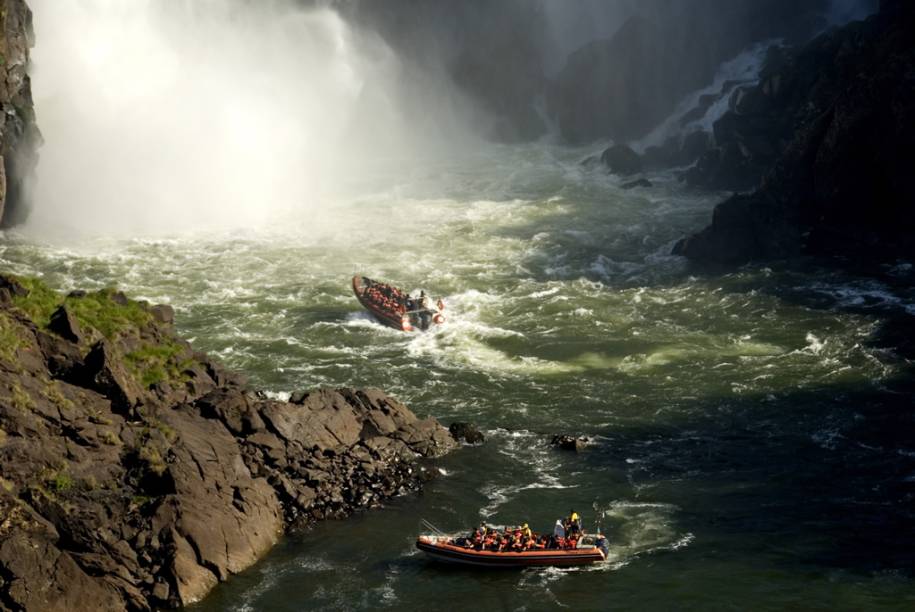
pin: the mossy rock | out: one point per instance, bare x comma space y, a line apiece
108, 311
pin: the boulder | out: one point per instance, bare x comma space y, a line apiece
163, 313
104, 372
570, 442
622, 160
467, 432
65, 325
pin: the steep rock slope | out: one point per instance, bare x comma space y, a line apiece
623, 86
841, 185
137, 473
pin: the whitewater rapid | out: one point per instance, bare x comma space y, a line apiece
566, 313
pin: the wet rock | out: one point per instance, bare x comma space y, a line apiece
163, 313
622, 160
468, 432
570, 442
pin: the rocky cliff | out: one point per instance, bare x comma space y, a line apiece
137, 473
19, 136
834, 124
623, 86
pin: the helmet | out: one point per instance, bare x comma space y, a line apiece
524, 526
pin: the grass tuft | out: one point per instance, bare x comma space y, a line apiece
157, 363
96, 310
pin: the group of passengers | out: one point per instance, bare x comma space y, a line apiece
385, 296
520, 539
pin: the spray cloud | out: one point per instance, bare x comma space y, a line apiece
165, 116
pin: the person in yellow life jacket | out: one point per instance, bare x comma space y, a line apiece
526, 531
573, 524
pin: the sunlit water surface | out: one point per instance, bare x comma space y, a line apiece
747, 451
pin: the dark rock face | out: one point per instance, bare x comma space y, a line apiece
622, 160
621, 87
136, 473
19, 135
841, 184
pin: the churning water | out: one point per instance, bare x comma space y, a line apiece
752, 447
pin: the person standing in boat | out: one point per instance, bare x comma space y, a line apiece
573, 524
425, 315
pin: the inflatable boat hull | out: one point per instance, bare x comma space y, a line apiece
439, 550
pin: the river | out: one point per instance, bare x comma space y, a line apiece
752, 448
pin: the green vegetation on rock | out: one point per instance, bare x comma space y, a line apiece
100, 310
155, 363
157, 358
10, 341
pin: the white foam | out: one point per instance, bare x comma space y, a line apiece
280, 396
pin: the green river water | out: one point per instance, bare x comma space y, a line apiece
753, 447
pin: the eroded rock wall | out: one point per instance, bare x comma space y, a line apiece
19, 135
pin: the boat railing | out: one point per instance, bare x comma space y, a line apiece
435, 530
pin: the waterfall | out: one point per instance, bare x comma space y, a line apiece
180, 115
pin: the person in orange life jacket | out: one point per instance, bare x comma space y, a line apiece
517, 541
477, 538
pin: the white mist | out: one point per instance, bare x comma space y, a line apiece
161, 117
